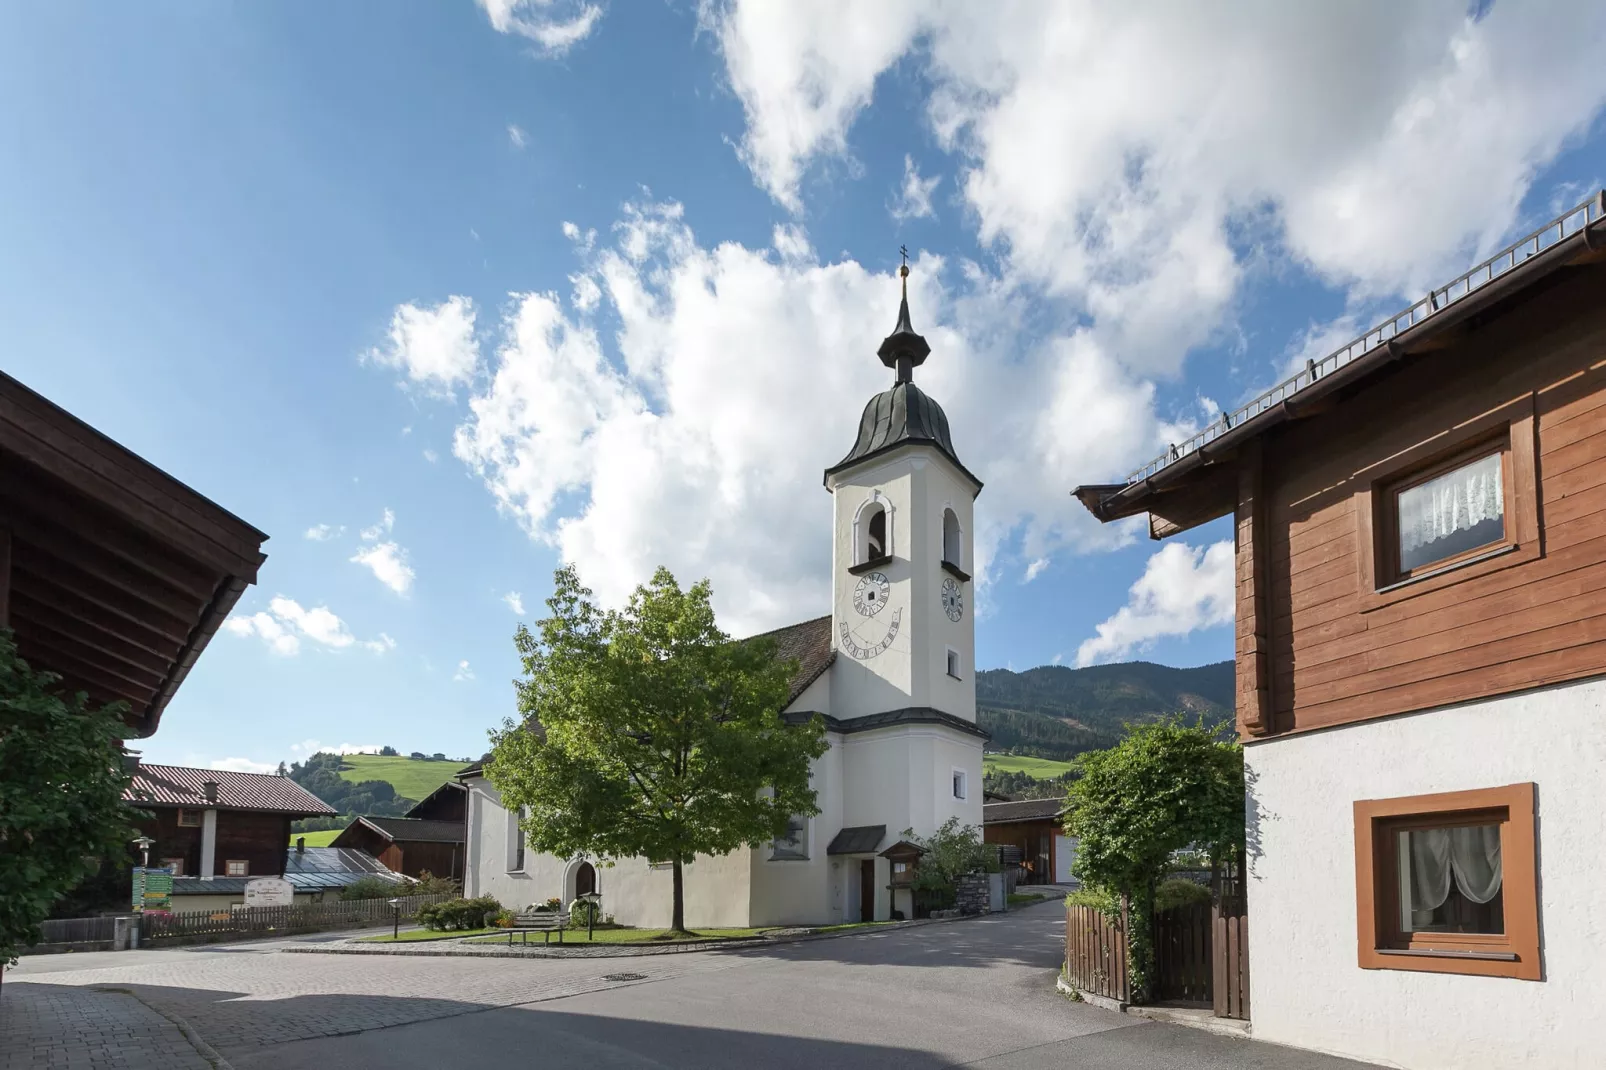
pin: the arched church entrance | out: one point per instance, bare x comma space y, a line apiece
585, 879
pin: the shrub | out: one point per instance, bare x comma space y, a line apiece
429, 884
458, 914
372, 888
1179, 892
581, 912
1105, 902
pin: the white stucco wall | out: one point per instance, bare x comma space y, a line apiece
1307, 989
799, 892
717, 890
915, 484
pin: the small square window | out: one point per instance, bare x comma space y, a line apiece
189, 818
1448, 513
1447, 883
236, 867
793, 844
959, 784
174, 864
953, 664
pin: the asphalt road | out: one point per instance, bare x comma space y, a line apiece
974, 993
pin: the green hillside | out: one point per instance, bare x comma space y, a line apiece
316, 839
1041, 768
412, 778
1058, 712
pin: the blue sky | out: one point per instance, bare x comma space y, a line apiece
470, 288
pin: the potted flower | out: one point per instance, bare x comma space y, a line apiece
550, 906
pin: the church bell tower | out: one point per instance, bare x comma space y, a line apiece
903, 620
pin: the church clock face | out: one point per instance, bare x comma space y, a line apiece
953, 600
871, 594
854, 649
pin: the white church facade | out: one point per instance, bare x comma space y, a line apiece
891, 670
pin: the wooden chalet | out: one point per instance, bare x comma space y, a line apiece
1420, 530
409, 845
113, 574
1032, 826
210, 823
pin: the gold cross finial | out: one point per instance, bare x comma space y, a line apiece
903, 251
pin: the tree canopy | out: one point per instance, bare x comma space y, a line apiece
61, 794
648, 732
1166, 786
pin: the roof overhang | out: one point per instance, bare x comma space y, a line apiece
113, 574
1201, 485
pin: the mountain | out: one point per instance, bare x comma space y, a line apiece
1057, 712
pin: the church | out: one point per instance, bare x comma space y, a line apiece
891, 670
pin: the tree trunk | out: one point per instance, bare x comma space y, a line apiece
677, 916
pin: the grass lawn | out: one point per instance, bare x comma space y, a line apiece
851, 926
422, 934
410, 777
316, 839
625, 936
1021, 898
1041, 768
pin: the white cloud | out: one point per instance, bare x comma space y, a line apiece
1182, 590
387, 521
325, 532
463, 673
435, 346
515, 602
914, 199
388, 562
671, 452
308, 747
555, 25
380, 645
431, 456
516, 136
286, 624
1135, 160
243, 765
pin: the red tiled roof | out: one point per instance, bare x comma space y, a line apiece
180, 785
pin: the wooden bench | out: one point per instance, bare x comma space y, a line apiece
545, 922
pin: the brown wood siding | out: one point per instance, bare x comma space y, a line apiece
440, 859
1340, 650
260, 839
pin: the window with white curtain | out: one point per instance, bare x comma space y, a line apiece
1450, 880
1448, 883
1451, 513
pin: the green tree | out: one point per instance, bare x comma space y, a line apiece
61, 794
647, 732
948, 854
1165, 786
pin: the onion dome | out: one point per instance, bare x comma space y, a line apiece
903, 414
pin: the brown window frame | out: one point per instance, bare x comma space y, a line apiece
176, 863
1388, 507
1508, 429
184, 812
1380, 943
244, 864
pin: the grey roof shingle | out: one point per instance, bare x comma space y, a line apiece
181, 785
857, 840
809, 642
1022, 810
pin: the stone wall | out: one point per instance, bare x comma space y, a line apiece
972, 894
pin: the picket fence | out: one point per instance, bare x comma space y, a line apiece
239, 923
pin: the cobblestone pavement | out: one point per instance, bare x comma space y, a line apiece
243, 999
87, 1029
976, 993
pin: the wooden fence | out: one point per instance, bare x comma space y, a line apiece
1095, 953
1201, 955
1230, 962
257, 921
77, 930
1182, 945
